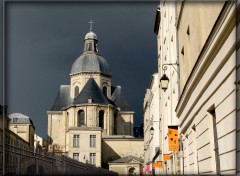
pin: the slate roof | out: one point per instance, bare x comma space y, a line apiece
119, 98
127, 159
18, 118
62, 99
91, 62
91, 91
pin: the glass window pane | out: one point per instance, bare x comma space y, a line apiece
81, 118
92, 140
76, 156
76, 141
93, 158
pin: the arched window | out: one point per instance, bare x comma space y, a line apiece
95, 47
81, 117
76, 91
101, 119
131, 171
90, 47
105, 91
67, 124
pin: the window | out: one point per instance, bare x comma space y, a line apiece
75, 140
115, 124
15, 120
101, 119
95, 47
90, 47
67, 120
16, 144
188, 31
132, 171
182, 51
93, 159
76, 156
76, 91
105, 91
92, 140
215, 137
81, 118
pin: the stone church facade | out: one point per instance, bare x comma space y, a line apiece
89, 109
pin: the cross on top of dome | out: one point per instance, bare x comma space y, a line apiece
91, 23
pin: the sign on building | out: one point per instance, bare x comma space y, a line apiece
157, 164
173, 144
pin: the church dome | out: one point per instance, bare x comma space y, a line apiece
90, 35
91, 62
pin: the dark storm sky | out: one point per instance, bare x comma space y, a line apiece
44, 39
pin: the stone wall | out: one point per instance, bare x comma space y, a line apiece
120, 146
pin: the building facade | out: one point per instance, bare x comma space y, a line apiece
208, 71
151, 126
168, 65
21, 155
128, 165
22, 126
238, 83
40, 145
90, 110
207, 51
14, 143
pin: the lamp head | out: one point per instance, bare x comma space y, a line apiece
151, 130
164, 82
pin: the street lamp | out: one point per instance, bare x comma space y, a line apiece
164, 82
151, 130
164, 79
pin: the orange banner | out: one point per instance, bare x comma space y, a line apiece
173, 144
157, 164
166, 157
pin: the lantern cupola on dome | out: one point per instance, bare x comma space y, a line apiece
90, 40
90, 60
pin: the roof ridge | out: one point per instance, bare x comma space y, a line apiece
127, 159
91, 90
62, 99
